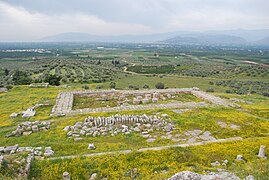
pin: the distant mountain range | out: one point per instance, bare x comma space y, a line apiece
231, 37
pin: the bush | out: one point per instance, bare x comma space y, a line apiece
85, 87
21, 78
159, 85
112, 85
210, 90
146, 86
9, 87
99, 87
53, 80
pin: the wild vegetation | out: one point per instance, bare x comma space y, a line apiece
222, 71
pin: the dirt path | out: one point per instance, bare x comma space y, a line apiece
148, 149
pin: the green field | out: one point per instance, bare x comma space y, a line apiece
131, 68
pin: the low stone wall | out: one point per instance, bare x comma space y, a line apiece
211, 98
64, 101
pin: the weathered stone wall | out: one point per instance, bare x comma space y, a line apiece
64, 101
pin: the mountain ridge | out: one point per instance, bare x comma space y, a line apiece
184, 37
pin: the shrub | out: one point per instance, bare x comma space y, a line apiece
85, 87
99, 87
53, 80
112, 85
210, 90
146, 86
9, 87
21, 78
159, 85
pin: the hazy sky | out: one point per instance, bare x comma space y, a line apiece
22, 20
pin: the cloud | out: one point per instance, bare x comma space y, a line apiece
32, 19
19, 24
204, 20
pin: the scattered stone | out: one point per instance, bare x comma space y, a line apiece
67, 128
30, 112
1, 160
222, 124
235, 127
93, 176
14, 115
3, 90
240, 158
91, 147
250, 177
225, 125
26, 133
78, 139
154, 100
165, 115
262, 152
150, 140
48, 152
215, 164
188, 175
66, 176
26, 128
124, 124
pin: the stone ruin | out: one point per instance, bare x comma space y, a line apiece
3, 90
39, 85
67, 176
23, 165
36, 151
222, 175
119, 124
153, 97
27, 128
30, 112
64, 101
262, 152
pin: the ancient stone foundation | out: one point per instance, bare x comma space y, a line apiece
64, 101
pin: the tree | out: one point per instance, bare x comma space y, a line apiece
53, 80
112, 85
85, 87
159, 85
146, 86
6, 72
21, 78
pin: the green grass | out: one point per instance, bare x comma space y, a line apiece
81, 102
152, 164
169, 82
